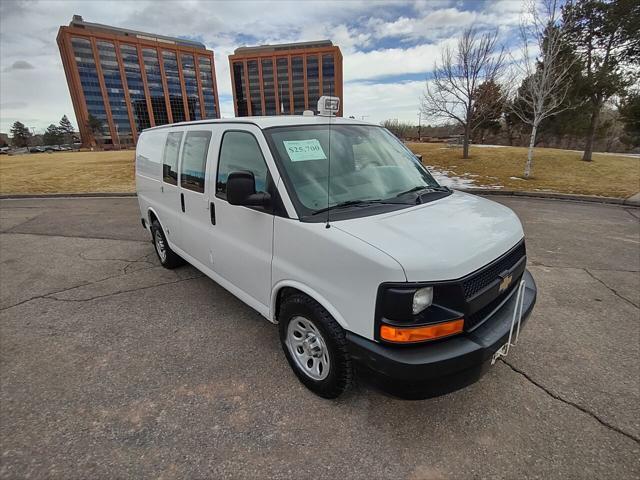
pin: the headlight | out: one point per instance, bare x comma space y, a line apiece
422, 299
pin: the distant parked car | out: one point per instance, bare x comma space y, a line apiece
4, 150
36, 149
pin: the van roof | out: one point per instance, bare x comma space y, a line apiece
272, 121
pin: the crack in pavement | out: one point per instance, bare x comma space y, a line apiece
613, 290
539, 264
600, 420
120, 291
50, 296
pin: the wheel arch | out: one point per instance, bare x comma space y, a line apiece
152, 215
285, 288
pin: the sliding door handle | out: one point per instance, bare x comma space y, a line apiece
182, 201
212, 212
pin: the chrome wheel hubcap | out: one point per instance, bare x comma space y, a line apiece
308, 348
160, 247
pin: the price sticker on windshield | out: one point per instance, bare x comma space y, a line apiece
303, 150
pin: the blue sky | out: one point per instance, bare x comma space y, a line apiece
389, 47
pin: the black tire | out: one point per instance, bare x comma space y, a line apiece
170, 259
340, 369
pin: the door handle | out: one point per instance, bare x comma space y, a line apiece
182, 201
212, 212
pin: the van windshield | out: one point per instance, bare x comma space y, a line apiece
368, 165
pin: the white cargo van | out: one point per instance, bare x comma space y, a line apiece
334, 230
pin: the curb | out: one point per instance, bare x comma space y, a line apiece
68, 195
630, 202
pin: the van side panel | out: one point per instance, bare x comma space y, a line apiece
339, 271
149, 171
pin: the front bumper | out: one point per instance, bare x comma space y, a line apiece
439, 367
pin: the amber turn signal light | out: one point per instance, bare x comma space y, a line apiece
420, 334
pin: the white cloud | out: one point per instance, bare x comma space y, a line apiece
392, 61
380, 101
416, 30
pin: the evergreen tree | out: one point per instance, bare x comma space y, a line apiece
66, 129
96, 127
53, 135
630, 116
65, 126
19, 135
605, 34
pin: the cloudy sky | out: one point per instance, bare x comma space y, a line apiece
388, 47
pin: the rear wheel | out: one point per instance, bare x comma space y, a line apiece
168, 258
315, 346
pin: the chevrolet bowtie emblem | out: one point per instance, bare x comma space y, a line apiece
504, 284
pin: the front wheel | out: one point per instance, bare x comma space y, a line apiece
315, 346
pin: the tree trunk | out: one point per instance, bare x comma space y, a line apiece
465, 145
532, 141
588, 148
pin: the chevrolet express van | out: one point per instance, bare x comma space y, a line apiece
333, 230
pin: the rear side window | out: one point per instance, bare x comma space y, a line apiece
240, 151
149, 153
170, 158
194, 160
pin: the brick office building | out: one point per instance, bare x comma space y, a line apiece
286, 78
122, 81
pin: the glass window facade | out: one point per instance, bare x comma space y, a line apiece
283, 85
328, 75
206, 79
241, 94
170, 63
268, 87
129, 54
154, 82
115, 92
121, 84
191, 86
254, 87
313, 82
297, 81
90, 83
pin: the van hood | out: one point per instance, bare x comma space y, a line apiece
441, 240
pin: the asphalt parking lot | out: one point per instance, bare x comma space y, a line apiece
113, 367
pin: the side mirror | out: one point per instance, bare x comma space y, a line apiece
241, 190
418, 156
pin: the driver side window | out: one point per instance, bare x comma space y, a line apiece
240, 151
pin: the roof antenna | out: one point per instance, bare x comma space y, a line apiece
328, 106
329, 164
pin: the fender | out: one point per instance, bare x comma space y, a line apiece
152, 210
308, 291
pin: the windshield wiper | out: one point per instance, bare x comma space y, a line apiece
356, 203
425, 189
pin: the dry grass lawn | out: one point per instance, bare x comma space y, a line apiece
67, 172
554, 170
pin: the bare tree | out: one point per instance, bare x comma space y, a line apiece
545, 75
453, 92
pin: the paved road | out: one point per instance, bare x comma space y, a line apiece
112, 367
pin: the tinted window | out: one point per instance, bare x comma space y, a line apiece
194, 160
170, 158
240, 151
149, 153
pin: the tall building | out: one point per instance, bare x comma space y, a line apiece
284, 79
123, 81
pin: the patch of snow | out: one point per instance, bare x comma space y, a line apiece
516, 178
